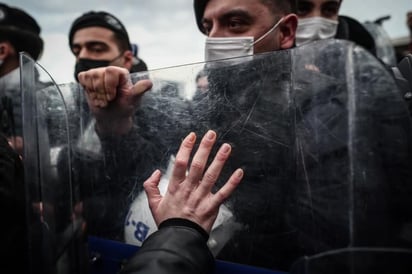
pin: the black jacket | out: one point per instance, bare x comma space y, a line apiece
13, 250
352, 30
179, 246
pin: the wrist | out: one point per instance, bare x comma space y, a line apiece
114, 127
185, 223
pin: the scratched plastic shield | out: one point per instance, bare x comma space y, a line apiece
56, 242
321, 132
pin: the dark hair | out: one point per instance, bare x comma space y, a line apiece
104, 20
122, 43
284, 6
21, 30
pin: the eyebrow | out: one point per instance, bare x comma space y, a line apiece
95, 43
335, 2
89, 44
232, 13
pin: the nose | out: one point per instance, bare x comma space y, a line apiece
316, 12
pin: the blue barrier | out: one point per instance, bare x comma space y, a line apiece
108, 256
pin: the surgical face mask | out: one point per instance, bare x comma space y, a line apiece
229, 47
85, 64
315, 28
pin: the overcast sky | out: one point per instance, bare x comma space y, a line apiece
164, 29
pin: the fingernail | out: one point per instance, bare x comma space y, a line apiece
225, 148
155, 173
210, 135
191, 137
239, 173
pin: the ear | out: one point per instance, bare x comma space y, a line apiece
128, 59
288, 31
4, 50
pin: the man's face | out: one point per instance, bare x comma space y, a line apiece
318, 8
8, 58
232, 18
98, 44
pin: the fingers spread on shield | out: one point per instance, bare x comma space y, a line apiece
220, 196
151, 187
200, 158
213, 172
182, 160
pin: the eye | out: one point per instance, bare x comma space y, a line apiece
237, 25
234, 23
304, 8
75, 50
206, 27
97, 49
330, 9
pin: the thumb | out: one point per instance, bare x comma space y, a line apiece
151, 187
141, 87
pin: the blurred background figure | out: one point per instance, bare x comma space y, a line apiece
409, 23
99, 39
403, 44
320, 19
384, 48
19, 32
138, 63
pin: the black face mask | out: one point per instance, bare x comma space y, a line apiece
85, 64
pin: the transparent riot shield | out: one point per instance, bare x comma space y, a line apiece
56, 241
321, 132
384, 48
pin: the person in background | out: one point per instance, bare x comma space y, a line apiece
19, 32
186, 213
14, 248
244, 27
138, 63
267, 26
320, 19
99, 39
409, 24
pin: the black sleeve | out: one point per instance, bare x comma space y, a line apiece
13, 250
179, 246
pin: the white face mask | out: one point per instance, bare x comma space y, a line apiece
217, 48
315, 28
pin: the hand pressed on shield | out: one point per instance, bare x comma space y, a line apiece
112, 97
189, 195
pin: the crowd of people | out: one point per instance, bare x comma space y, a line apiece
104, 60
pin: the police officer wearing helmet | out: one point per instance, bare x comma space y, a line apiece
19, 32
320, 19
